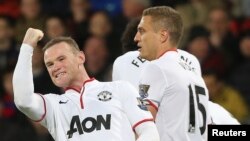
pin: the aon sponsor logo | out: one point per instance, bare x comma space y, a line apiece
88, 124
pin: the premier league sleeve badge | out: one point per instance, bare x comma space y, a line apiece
143, 90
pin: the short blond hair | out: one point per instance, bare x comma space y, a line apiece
71, 42
164, 17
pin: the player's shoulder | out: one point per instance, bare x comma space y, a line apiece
168, 58
220, 115
189, 61
117, 83
188, 55
53, 97
127, 56
168, 62
183, 52
118, 87
153, 69
155, 64
216, 106
131, 54
218, 109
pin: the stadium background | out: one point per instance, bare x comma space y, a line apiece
217, 32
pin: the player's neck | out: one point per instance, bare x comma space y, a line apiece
79, 82
163, 50
84, 77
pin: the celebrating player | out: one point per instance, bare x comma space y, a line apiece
129, 66
89, 109
177, 98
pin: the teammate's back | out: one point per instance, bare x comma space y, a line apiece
129, 63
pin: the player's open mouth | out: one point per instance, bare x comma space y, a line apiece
60, 74
139, 48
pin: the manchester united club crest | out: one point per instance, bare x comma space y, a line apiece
104, 96
143, 90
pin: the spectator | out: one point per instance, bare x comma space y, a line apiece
10, 8
240, 77
31, 16
14, 125
100, 26
221, 38
55, 26
8, 47
130, 9
226, 96
199, 45
78, 21
97, 58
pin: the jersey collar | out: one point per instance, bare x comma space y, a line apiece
77, 89
171, 49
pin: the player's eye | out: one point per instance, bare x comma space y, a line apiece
61, 59
48, 65
141, 31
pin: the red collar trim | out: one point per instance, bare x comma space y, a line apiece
172, 49
89, 80
77, 89
73, 88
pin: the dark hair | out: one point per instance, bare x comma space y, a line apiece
10, 21
68, 40
197, 31
56, 16
128, 35
213, 72
165, 17
244, 34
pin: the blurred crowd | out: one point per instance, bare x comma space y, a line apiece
217, 32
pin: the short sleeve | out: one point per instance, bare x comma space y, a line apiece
152, 83
135, 110
115, 71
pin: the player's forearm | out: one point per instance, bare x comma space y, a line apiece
22, 78
147, 132
23, 86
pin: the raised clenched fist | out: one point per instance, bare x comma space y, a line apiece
32, 36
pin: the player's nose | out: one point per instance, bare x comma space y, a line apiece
136, 38
56, 67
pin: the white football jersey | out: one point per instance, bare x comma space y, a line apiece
102, 111
220, 115
190, 61
129, 66
180, 97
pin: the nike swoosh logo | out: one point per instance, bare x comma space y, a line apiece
63, 102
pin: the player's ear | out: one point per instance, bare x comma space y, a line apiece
81, 57
164, 35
